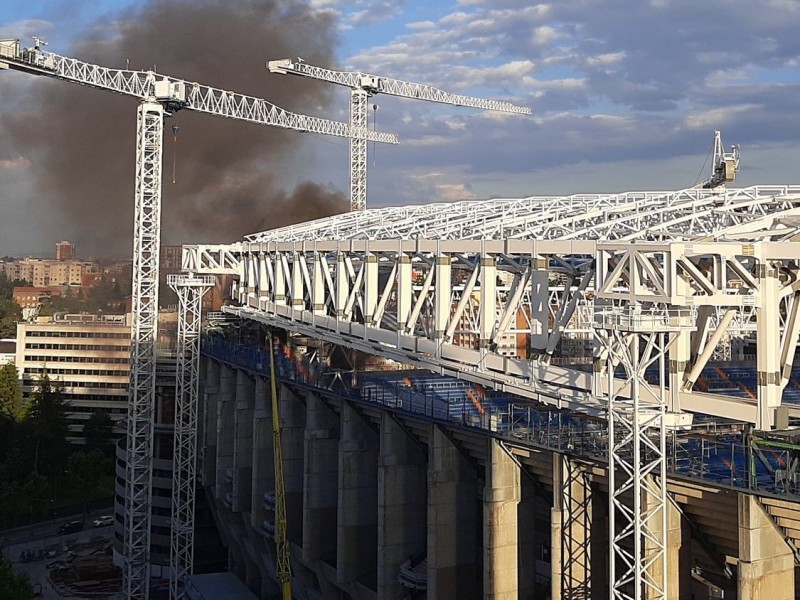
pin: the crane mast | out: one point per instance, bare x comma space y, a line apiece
158, 96
724, 165
364, 85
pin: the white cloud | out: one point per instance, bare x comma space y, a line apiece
15, 164
717, 117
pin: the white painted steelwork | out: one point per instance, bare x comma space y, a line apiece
159, 96
312, 277
142, 390
656, 277
364, 85
637, 341
190, 290
690, 214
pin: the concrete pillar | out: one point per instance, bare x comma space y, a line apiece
357, 526
677, 556
243, 441
501, 496
225, 427
766, 563
321, 480
453, 531
263, 459
571, 521
532, 541
293, 423
208, 449
402, 505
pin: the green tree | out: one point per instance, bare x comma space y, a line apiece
11, 402
99, 431
47, 426
87, 469
10, 313
35, 493
13, 585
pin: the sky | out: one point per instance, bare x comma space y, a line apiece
626, 95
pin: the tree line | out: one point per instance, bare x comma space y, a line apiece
39, 469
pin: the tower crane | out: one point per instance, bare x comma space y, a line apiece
159, 96
724, 165
362, 86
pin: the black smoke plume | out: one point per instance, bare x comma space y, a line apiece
81, 141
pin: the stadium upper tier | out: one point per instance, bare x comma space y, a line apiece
753, 213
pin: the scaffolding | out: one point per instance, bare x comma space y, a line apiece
190, 290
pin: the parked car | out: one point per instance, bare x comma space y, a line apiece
103, 521
70, 527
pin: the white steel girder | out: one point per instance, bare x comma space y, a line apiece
636, 340
690, 214
190, 290
359, 100
449, 305
142, 389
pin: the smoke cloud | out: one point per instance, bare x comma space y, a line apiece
81, 142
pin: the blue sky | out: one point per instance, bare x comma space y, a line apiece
626, 94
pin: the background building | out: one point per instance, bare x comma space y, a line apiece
88, 354
8, 350
65, 251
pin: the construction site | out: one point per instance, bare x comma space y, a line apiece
586, 396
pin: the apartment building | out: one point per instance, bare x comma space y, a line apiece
88, 354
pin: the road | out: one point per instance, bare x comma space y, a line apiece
44, 535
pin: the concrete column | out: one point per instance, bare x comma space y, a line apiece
225, 426
243, 442
402, 505
532, 540
452, 522
357, 526
208, 449
501, 496
321, 494
571, 520
263, 459
293, 423
677, 556
766, 564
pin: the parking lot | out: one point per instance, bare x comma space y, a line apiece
49, 557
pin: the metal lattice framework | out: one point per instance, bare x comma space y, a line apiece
376, 84
636, 341
190, 290
690, 214
362, 86
358, 150
158, 94
142, 390
658, 279
195, 96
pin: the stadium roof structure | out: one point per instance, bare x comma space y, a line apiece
757, 213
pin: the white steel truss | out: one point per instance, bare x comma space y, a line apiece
376, 84
190, 290
635, 340
449, 305
142, 390
358, 150
363, 86
658, 278
194, 96
690, 214
159, 95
